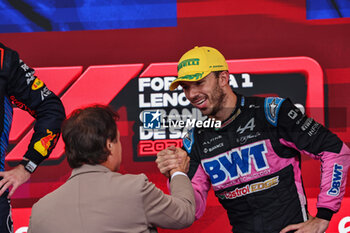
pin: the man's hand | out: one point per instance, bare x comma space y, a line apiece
14, 178
313, 225
172, 159
183, 162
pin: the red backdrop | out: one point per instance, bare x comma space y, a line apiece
241, 30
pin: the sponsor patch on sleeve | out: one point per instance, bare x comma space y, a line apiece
336, 180
272, 106
188, 140
37, 84
42, 146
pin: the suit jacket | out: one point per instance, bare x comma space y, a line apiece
97, 200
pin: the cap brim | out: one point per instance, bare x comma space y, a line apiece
185, 78
174, 84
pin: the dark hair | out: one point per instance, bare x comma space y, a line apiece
85, 135
217, 73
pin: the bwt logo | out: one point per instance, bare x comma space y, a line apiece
236, 163
336, 181
151, 119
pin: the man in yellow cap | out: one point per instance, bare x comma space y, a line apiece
201, 68
252, 161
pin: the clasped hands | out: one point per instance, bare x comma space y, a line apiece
172, 159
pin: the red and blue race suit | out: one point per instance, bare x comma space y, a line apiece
253, 165
18, 85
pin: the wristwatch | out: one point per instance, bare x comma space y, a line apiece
28, 165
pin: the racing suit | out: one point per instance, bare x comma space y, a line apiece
253, 164
18, 85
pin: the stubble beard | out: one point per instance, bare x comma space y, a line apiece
218, 97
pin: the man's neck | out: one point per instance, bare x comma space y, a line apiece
229, 105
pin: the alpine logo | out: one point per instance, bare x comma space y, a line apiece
250, 125
212, 140
336, 180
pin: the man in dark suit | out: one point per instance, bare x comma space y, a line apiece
96, 198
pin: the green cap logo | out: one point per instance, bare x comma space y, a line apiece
188, 62
193, 77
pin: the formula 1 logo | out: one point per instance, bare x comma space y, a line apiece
97, 85
236, 163
336, 180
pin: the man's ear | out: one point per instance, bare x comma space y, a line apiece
224, 78
109, 144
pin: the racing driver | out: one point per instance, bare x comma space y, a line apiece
18, 85
252, 161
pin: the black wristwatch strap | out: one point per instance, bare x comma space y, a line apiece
28, 165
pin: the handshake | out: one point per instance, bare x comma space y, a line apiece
171, 160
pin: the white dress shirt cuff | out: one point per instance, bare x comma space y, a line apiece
178, 173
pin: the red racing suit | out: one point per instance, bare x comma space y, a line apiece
253, 165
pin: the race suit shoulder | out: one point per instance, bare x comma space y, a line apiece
253, 165
19, 85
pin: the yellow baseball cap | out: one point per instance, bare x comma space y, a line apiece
197, 63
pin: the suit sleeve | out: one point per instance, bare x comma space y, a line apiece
32, 225
29, 93
311, 138
176, 211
